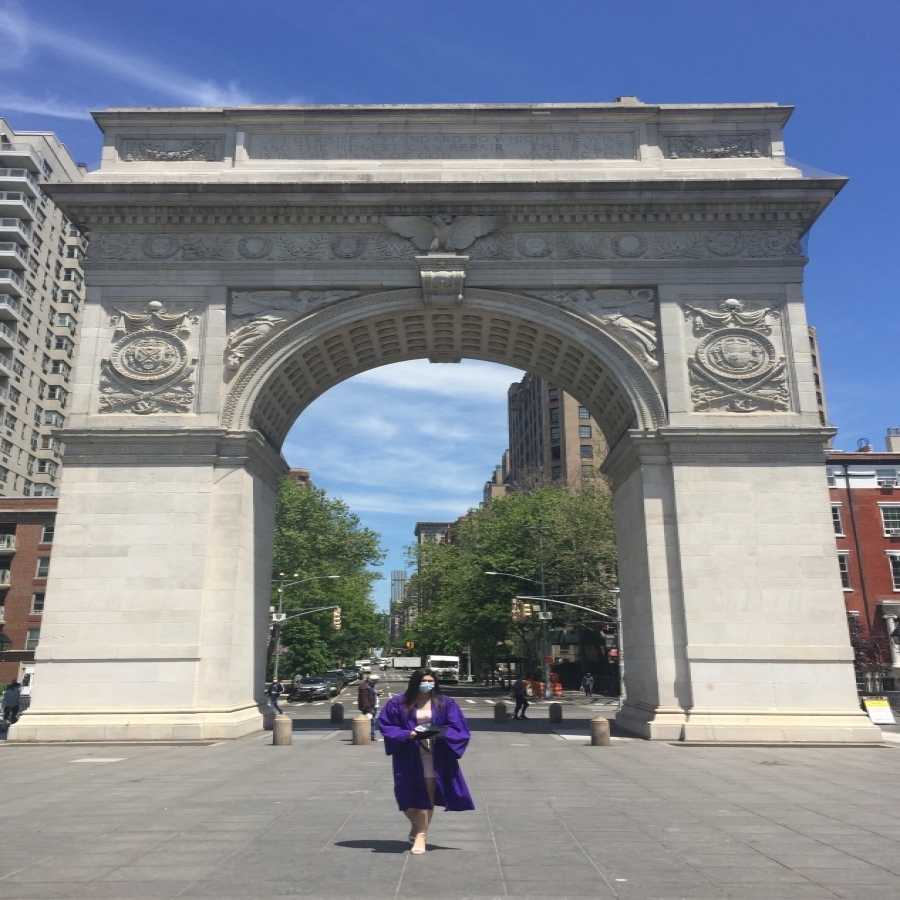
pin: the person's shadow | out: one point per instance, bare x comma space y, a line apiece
385, 846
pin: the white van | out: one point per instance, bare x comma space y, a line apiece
26, 679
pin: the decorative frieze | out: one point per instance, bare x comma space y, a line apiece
280, 247
150, 369
712, 146
736, 367
171, 150
442, 234
443, 277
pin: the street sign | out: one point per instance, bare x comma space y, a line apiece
547, 659
879, 710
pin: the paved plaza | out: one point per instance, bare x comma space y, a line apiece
555, 818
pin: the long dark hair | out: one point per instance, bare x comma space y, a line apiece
412, 689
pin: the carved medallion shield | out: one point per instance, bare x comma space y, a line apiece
736, 353
149, 356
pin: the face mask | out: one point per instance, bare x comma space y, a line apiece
426, 686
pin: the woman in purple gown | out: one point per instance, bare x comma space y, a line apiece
426, 734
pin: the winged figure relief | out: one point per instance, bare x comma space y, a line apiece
442, 233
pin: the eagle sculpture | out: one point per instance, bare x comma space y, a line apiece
437, 234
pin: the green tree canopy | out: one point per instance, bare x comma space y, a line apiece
317, 535
464, 607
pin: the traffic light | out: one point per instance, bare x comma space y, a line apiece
410, 645
336, 618
517, 614
527, 610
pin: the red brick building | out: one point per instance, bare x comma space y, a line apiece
865, 509
26, 542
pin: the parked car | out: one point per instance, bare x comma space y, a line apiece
338, 678
351, 675
313, 687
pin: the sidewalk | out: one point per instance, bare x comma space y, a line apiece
555, 818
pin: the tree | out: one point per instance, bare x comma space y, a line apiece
318, 535
461, 606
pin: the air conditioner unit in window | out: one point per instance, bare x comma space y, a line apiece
892, 532
887, 482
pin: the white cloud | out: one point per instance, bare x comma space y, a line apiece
46, 107
19, 36
470, 379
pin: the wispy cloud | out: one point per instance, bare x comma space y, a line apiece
46, 107
474, 379
20, 36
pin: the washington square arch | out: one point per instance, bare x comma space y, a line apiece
647, 259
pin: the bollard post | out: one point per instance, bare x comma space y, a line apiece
337, 713
556, 712
600, 732
500, 713
282, 731
362, 730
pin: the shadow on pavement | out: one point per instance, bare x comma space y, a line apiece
385, 846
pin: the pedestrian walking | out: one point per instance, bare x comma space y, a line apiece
425, 734
587, 685
520, 695
274, 693
12, 698
367, 700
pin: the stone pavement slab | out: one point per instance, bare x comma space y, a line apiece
554, 818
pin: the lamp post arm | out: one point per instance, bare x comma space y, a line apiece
306, 612
596, 612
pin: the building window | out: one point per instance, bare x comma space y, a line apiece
43, 567
37, 604
844, 566
583, 413
47, 534
890, 518
831, 475
554, 414
886, 477
587, 471
32, 636
836, 519
894, 559
556, 472
554, 433
553, 394
556, 453
584, 431
587, 451
44, 490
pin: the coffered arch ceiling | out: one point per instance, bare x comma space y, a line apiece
299, 364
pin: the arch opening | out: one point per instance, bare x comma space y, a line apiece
316, 353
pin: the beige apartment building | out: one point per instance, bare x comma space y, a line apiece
41, 299
552, 437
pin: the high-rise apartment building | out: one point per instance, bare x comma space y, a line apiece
41, 297
552, 437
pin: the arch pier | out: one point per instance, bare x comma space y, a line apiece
648, 259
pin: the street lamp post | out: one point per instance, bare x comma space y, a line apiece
545, 627
282, 584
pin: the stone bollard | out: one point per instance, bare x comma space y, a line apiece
500, 713
556, 712
337, 713
362, 730
282, 731
600, 732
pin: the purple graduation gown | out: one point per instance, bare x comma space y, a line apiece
451, 791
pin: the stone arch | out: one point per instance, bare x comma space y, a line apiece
312, 355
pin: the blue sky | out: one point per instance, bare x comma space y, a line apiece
439, 430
